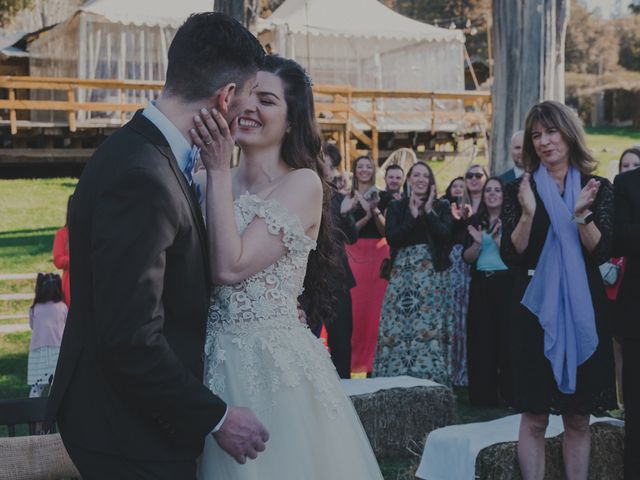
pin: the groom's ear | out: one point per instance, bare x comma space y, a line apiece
224, 96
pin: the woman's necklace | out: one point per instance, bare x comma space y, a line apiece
272, 181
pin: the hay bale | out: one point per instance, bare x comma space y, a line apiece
36, 457
500, 461
397, 420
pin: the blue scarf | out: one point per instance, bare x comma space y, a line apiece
558, 293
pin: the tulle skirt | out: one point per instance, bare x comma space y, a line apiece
315, 433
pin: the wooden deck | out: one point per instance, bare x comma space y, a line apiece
354, 118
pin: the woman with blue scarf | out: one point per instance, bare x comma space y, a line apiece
557, 228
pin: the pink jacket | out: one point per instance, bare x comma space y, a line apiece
47, 322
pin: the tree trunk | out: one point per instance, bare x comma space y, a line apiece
528, 52
245, 11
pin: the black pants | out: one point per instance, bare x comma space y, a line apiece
631, 393
339, 334
488, 361
100, 466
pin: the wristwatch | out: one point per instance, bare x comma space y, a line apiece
586, 219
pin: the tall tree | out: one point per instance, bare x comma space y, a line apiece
528, 50
43, 13
628, 29
8, 9
245, 11
592, 43
471, 16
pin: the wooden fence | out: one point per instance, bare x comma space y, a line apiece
339, 108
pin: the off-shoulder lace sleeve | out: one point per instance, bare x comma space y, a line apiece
603, 218
511, 212
279, 221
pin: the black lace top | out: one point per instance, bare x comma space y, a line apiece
534, 387
602, 209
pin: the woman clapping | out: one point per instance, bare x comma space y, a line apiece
487, 319
557, 228
418, 305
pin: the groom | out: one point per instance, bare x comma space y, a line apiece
128, 394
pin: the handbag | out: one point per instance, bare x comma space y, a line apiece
385, 268
387, 265
609, 272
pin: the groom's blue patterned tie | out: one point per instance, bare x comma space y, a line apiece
189, 170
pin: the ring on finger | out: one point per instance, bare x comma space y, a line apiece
209, 142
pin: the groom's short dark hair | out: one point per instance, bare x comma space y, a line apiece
209, 51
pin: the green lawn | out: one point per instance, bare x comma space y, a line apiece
607, 144
14, 350
32, 211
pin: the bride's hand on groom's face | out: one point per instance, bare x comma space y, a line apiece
212, 135
242, 435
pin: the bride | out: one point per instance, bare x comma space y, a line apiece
264, 221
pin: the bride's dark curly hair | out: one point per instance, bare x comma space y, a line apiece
302, 148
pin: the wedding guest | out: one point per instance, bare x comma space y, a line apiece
627, 243
629, 160
365, 258
474, 179
403, 157
418, 305
515, 150
459, 276
61, 254
339, 330
340, 180
393, 179
561, 345
47, 317
487, 320
332, 159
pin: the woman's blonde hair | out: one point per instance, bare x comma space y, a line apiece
556, 115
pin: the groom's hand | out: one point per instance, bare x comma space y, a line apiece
242, 435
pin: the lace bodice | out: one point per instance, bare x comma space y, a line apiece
259, 315
270, 295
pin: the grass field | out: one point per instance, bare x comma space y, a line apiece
32, 211
14, 348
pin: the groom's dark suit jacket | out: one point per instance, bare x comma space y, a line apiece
129, 376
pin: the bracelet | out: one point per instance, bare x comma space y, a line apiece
377, 211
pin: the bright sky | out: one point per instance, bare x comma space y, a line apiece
608, 7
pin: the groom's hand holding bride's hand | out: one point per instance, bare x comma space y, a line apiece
242, 435
214, 139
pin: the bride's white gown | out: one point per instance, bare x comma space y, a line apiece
258, 355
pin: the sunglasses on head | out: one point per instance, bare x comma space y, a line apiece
471, 175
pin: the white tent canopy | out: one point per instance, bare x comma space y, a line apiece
365, 44
146, 12
113, 39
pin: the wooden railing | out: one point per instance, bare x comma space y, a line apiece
71, 105
338, 107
